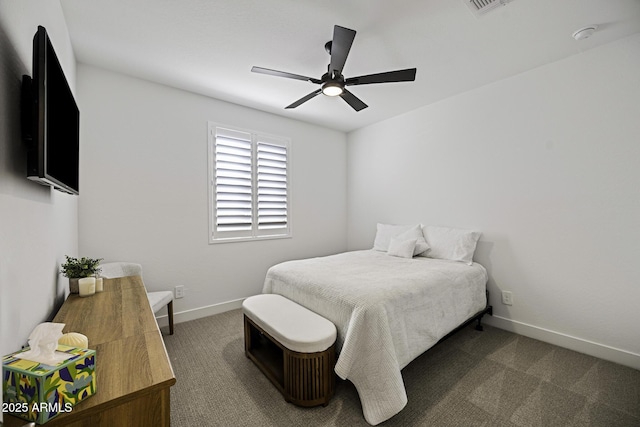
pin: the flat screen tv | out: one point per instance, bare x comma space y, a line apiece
51, 120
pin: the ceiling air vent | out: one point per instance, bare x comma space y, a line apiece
480, 7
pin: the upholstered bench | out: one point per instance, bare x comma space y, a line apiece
293, 346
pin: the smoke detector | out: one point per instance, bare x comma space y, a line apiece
585, 33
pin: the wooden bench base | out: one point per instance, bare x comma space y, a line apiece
305, 379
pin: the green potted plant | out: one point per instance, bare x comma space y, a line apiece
77, 268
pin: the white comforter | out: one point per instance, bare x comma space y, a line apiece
387, 310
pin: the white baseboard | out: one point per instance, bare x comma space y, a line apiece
198, 313
580, 345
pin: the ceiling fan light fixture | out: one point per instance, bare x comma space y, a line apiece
332, 89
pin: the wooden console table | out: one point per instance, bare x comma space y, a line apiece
133, 371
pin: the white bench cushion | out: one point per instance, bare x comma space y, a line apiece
159, 299
292, 325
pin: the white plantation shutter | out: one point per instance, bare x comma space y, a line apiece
272, 186
233, 181
249, 191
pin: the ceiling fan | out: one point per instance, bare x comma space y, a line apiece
333, 82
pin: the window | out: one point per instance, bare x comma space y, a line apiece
249, 185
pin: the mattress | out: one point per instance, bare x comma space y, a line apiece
387, 311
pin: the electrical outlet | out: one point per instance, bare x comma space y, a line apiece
507, 298
179, 291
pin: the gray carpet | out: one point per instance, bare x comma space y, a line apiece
490, 378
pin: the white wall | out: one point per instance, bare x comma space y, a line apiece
547, 165
144, 189
38, 226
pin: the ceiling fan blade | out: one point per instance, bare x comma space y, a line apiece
340, 47
353, 100
283, 74
304, 99
407, 75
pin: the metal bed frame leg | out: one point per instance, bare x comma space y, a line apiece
489, 311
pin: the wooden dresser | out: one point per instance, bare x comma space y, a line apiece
134, 374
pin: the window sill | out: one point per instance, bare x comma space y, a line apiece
215, 241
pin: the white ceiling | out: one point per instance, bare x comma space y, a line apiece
209, 46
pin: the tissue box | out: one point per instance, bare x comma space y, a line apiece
38, 392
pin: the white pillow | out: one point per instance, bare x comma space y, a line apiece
451, 243
402, 248
386, 231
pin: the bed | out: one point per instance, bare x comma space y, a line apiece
387, 309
